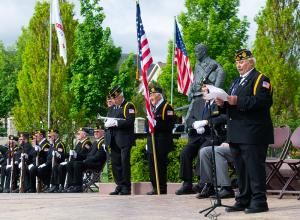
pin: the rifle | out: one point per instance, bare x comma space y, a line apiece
23, 171
71, 158
54, 160
13, 172
8, 163
38, 181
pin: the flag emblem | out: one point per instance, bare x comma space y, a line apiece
87, 146
170, 112
59, 149
131, 110
266, 84
46, 149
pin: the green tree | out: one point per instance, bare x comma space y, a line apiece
276, 50
216, 24
96, 61
31, 111
126, 78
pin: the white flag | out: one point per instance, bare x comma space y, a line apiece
56, 19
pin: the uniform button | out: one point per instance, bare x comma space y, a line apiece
230, 119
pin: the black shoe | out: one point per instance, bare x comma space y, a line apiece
236, 208
256, 209
1, 190
209, 190
75, 189
224, 194
185, 189
198, 187
7, 190
53, 189
116, 192
125, 192
47, 187
60, 190
66, 190
31, 190
16, 191
154, 191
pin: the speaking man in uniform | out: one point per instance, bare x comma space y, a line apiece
120, 138
249, 131
164, 123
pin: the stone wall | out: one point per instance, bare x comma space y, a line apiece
11, 128
3, 140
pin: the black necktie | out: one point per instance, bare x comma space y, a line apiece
116, 110
205, 110
236, 85
154, 107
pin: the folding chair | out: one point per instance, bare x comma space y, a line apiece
282, 136
293, 164
91, 177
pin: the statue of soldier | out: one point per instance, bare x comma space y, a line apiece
202, 68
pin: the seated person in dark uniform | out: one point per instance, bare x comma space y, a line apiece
13, 144
44, 170
27, 147
59, 170
205, 171
164, 124
42, 146
199, 137
94, 159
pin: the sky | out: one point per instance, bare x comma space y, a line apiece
157, 17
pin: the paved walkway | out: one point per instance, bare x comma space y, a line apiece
95, 206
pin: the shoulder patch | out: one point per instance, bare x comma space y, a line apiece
46, 149
59, 149
131, 111
170, 113
87, 146
266, 84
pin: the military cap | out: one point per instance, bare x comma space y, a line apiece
40, 131
205, 82
155, 90
98, 127
32, 136
108, 97
243, 54
114, 92
52, 131
24, 134
83, 129
13, 138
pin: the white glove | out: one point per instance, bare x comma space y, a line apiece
200, 130
57, 154
8, 166
146, 147
37, 148
42, 165
16, 162
103, 145
154, 122
73, 153
110, 123
30, 166
63, 163
198, 124
26, 156
20, 165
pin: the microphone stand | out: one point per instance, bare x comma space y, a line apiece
217, 202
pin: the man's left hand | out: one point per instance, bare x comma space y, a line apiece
110, 123
232, 100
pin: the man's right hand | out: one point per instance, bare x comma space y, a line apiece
224, 145
219, 102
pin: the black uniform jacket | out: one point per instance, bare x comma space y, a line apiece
27, 148
249, 122
124, 132
4, 163
44, 145
81, 148
60, 148
218, 120
165, 121
96, 153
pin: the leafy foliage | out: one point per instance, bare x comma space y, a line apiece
96, 60
31, 111
276, 50
216, 24
126, 79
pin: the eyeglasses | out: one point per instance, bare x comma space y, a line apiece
78, 133
96, 131
116, 98
49, 136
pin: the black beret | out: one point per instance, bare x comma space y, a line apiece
114, 92
155, 90
243, 54
83, 129
52, 131
24, 134
13, 138
98, 127
40, 131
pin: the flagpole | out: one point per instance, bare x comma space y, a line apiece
173, 61
49, 86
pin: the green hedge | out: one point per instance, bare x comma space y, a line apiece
140, 169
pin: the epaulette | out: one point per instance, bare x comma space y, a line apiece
125, 109
257, 81
43, 147
85, 142
163, 114
101, 141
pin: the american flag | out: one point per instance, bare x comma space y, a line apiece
146, 60
184, 70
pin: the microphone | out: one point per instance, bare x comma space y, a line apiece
213, 67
